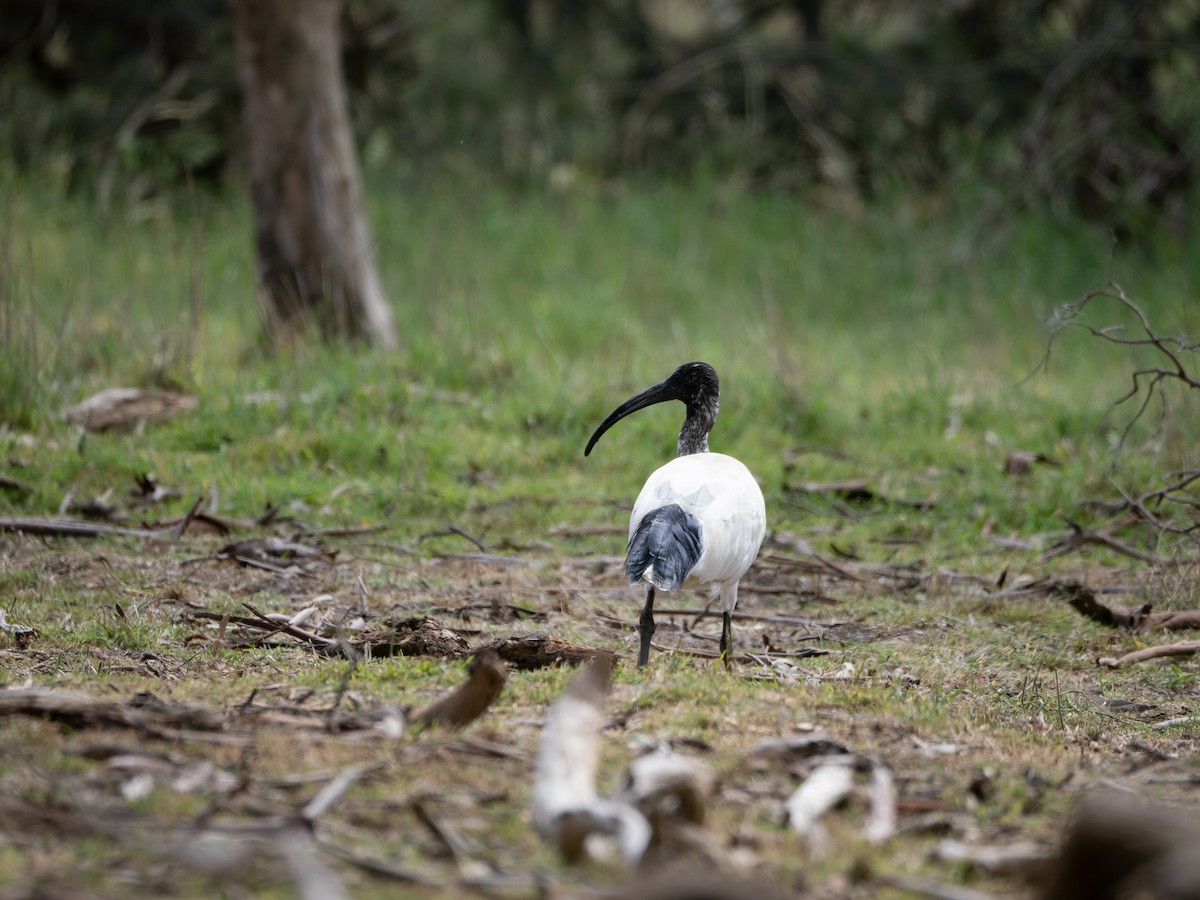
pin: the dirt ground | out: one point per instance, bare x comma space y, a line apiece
206, 716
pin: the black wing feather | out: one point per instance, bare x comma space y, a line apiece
667, 538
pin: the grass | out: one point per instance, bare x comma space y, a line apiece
851, 343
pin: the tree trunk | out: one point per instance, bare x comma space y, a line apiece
316, 266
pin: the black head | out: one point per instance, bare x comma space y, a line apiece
695, 384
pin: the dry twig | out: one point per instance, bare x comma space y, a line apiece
1183, 648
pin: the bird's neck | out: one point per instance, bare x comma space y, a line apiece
693, 436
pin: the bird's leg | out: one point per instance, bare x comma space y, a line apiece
646, 626
726, 645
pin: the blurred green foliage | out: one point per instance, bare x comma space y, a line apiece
1086, 106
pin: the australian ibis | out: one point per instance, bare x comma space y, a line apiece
700, 519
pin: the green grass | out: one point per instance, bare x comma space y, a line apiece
526, 316
851, 343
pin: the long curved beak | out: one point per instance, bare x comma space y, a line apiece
660, 393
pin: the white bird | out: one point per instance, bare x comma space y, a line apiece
700, 519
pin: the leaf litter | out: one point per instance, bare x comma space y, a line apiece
261, 806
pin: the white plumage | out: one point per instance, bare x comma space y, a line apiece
725, 499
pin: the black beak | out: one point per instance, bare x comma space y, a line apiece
660, 393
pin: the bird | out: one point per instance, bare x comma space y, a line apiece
700, 519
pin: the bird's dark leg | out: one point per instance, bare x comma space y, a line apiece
726, 645
646, 626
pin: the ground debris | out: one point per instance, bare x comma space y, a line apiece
827, 786
21, 634
143, 712
70, 526
403, 635
347, 632
1138, 620
1118, 845
672, 791
202, 521
486, 675
1183, 648
831, 768
1025, 859
567, 810
854, 490
1020, 462
685, 880
279, 555
120, 409
15, 486
1081, 536
539, 650
150, 492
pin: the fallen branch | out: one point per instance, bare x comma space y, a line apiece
668, 786
933, 890
567, 811
1147, 383
571, 531
1141, 619
12, 484
539, 651
119, 409
486, 675
1081, 536
182, 526
68, 526
1184, 648
279, 555
328, 797
454, 531
397, 636
143, 712
830, 782
881, 792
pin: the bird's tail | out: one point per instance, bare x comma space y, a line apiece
664, 548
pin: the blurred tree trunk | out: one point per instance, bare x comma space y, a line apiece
316, 265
